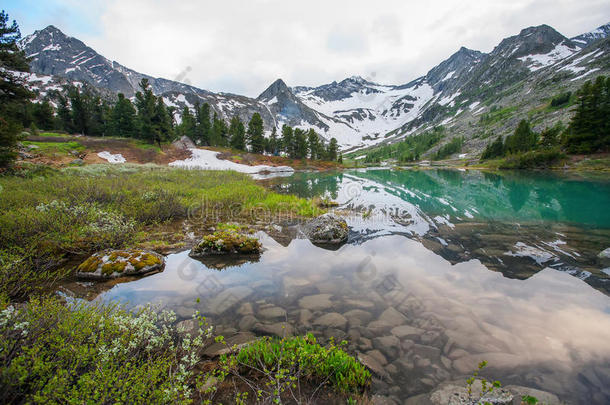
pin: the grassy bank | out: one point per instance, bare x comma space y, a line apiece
80, 353
48, 216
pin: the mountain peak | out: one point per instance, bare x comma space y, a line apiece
540, 39
276, 88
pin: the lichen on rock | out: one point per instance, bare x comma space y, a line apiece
327, 229
226, 241
117, 263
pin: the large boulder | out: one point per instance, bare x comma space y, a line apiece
118, 263
327, 229
184, 143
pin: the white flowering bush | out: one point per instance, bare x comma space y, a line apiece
80, 353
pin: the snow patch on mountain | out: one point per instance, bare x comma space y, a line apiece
536, 62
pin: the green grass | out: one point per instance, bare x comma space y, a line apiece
594, 164
52, 134
497, 115
303, 356
55, 148
47, 216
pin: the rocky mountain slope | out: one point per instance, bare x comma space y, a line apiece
472, 93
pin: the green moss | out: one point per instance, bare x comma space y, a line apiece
116, 254
90, 265
114, 267
228, 241
144, 260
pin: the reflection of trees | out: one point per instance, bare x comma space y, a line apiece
497, 196
518, 194
310, 185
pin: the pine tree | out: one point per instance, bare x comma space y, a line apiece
589, 129
203, 124
493, 149
123, 118
237, 133
274, 143
340, 160
549, 137
256, 134
313, 144
162, 123
333, 148
287, 141
146, 105
300, 144
43, 115
522, 140
14, 96
219, 132
64, 115
80, 115
188, 126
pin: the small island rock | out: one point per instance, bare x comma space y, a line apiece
327, 229
117, 263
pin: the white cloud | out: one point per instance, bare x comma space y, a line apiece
243, 46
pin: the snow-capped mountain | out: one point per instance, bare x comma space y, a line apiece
55, 54
588, 37
520, 72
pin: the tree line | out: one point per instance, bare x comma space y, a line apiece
588, 130
82, 109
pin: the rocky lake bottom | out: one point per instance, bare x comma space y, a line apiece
442, 270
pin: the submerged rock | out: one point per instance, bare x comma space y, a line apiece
327, 229
227, 241
118, 263
604, 257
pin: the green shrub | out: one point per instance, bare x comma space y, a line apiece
533, 160
53, 353
454, 146
561, 99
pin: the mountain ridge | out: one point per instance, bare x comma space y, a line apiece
358, 112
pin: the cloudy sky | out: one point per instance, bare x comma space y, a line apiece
243, 46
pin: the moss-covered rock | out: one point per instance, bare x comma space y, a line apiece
117, 263
226, 241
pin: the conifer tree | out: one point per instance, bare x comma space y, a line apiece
313, 143
494, 149
64, 114
123, 118
80, 114
188, 126
203, 124
332, 150
300, 144
237, 133
14, 96
162, 123
146, 105
589, 129
287, 141
43, 115
255, 133
274, 143
522, 140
